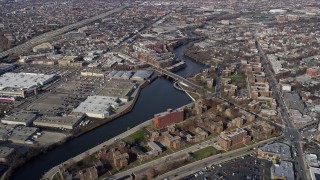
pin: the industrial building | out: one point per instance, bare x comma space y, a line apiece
120, 74
16, 133
120, 89
315, 173
142, 75
169, 117
19, 84
231, 139
67, 122
21, 118
5, 153
98, 106
6, 67
43, 48
294, 101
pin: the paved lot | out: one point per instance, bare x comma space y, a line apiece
47, 138
247, 168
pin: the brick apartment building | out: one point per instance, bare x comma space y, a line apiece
231, 139
169, 117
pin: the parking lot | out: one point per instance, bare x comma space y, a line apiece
241, 168
42, 69
56, 104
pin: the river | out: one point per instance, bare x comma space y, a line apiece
155, 98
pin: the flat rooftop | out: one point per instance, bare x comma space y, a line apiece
98, 105
23, 80
20, 117
169, 111
278, 148
232, 133
68, 120
119, 89
284, 169
142, 74
315, 173
5, 151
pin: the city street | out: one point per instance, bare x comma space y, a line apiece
291, 133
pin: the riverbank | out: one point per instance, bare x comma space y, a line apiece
50, 174
126, 109
152, 99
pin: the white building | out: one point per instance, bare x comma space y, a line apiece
315, 173
286, 87
98, 106
24, 80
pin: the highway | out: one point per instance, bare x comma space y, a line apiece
291, 133
49, 35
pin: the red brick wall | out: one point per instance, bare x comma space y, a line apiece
171, 118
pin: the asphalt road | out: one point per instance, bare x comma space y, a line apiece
163, 159
291, 133
216, 159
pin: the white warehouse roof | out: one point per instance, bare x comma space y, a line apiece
24, 80
98, 106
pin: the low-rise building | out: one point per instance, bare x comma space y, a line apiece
67, 122
283, 171
5, 153
120, 159
21, 134
315, 173
312, 160
274, 152
98, 106
21, 118
90, 173
21, 84
43, 48
6, 67
261, 130
141, 75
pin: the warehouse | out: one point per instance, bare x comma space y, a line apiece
6, 67
98, 106
141, 75
21, 118
24, 80
67, 122
22, 84
5, 153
